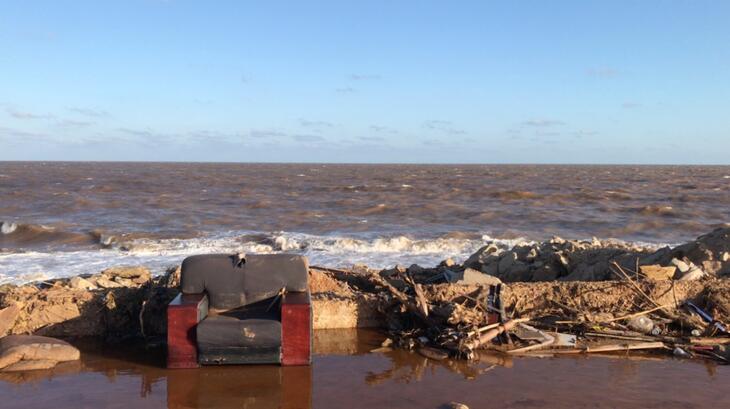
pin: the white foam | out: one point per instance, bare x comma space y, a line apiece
158, 255
335, 251
8, 227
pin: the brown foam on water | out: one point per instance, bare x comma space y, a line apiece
346, 375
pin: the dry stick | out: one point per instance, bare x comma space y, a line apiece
421, 302
638, 314
327, 269
404, 299
611, 348
633, 284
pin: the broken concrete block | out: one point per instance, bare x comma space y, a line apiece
681, 265
471, 276
695, 273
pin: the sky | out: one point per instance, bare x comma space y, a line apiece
373, 81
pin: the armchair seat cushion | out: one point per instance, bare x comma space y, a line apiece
220, 331
250, 334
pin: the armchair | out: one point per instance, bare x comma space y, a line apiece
233, 310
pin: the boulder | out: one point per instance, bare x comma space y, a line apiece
508, 259
137, 273
25, 352
104, 282
8, 315
481, 256
81, 283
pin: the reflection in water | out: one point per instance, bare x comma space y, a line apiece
231, 387
411, 367
346, 374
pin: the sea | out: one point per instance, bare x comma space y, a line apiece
66, 218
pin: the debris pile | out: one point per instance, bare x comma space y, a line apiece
440, 321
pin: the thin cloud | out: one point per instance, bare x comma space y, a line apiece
307, 138
630, 105
211, 136
372, 138
443, 126
265, 133
91, 113
602, 72
18, 133
432, 142
543, 123
364, 77
345, 90
584, 133
383, 129
70, 123
27, 115
315, 124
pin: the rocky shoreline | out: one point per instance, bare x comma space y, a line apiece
126, 302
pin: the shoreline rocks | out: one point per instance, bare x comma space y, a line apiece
574, 260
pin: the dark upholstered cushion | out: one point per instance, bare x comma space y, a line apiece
230, 285
221, 331
257, 326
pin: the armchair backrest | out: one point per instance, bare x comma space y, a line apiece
230, 284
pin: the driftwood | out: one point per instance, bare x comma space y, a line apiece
611, 348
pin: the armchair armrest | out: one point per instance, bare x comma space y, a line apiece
183, 315
296, 329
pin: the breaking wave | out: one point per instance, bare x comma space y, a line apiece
19, 235
334, 251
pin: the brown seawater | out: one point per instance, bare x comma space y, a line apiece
345, 374
86, 215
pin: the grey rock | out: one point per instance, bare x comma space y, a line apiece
508, 259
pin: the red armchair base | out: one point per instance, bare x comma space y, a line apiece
183, 314
186, 311
296, 329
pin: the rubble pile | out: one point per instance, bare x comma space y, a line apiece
649, 309
554, 297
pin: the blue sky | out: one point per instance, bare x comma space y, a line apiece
390, 81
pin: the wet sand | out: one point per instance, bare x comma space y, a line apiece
346, 375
